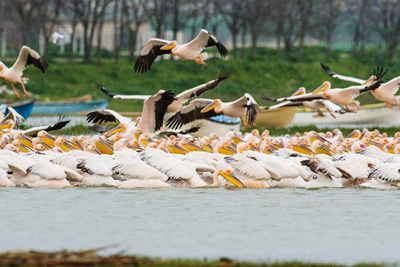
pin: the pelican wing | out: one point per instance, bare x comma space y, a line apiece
28, 56
341, 77
190, 113
201, 89
149, 53
15, 116
154, 109
137, 169
357, 90
248, 167
32, 132
302, 98
94, 166
47, 170
204, 40
106, 115
117, 96
387, 171
248, 102
392, 86
284, 105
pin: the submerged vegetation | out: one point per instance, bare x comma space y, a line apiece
268, 74
92, 258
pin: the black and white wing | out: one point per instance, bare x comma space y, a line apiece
149, 53
117, 96
15, 116
190, 113
197, 91
205, 40
154, 109
28, 56
32, 132
106, 115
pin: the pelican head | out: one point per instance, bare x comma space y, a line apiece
216, 103
370, 80
2, 66
325, 86
121, 128
230, 177
169, 46
241, 147
8, 124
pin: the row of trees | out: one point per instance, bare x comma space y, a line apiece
289, 22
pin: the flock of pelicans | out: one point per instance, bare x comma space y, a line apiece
142, 153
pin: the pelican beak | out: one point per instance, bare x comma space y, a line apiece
232, 179
327, 149
103, 142
322, 88
209, 107
26, 141
237, 139
67, 144
370, 80
322, 139
114, 130
195, 146
306, 149
168, 46
180, 148
5, 125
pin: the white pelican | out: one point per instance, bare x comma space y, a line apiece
385, 92
384, 176
4, 180
316, 105
14, 116
96, 172
137, 174
339, 96
181, 98
13, 75
190, 51
198, 109
152, 119
51, 175
326, 175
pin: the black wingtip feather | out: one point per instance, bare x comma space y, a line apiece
106, 92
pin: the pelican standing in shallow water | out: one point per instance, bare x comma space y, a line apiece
190, 51
13, 75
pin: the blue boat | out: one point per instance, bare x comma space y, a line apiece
23, 108
58, 108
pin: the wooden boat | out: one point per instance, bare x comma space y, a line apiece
82, 104
23, 108
375, 114
277, 117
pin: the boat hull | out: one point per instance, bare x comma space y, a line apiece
24, 108
277, 117
53, 108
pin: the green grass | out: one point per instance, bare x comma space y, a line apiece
91, 258
268, 74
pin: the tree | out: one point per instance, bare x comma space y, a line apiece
387, 24
360, 10
257, 16
73, 9
27, 14
158, 11
49, 12
305, 8
232, 12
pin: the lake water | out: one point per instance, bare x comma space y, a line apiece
340, 225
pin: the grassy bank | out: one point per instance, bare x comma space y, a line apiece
91, 258
267, 74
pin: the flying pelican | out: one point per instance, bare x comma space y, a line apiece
200, 109
181, 98
385, 92
190, 51
152, 119
339, 96
13, 75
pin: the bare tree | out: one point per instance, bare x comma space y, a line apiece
73, 9
90, 15
232, 12
360, 10
158, 11
27, 14
387, 24
305, 8
257, 17
329, 12
136, 16
49, 12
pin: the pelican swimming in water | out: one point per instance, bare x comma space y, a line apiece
13, 75
198, 109
190, 51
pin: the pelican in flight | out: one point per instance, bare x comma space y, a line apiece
385, 92
198, 109
152, 119
13, 75
181, 98
190, 51
339, 96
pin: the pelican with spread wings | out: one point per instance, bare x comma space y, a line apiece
181, 98
198, 109
13, 75
191, 51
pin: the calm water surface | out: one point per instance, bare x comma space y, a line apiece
341, 225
